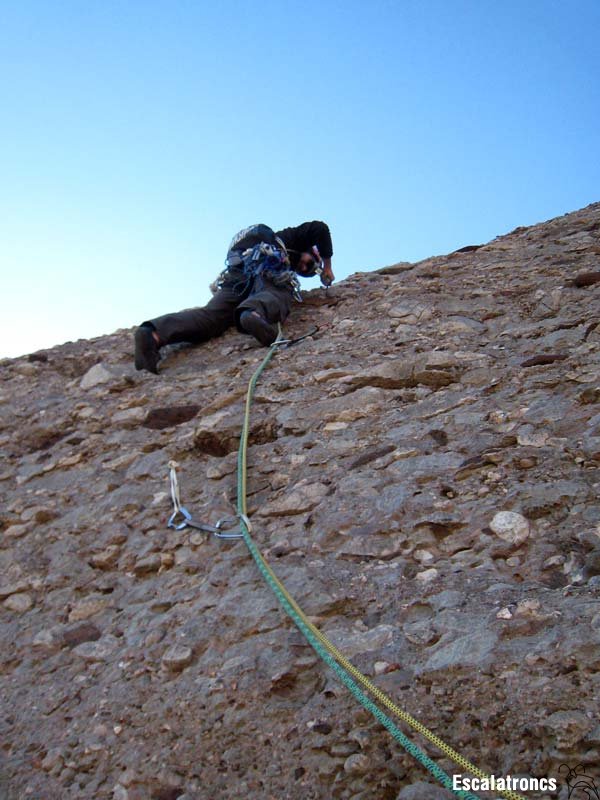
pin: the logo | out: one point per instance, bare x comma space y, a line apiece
580, 785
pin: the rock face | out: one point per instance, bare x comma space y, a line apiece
423, 476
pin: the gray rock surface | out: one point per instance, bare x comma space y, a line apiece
141, 662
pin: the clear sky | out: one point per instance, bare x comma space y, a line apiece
137, 137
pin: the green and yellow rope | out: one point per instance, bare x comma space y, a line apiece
344, 669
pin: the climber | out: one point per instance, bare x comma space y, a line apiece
254, 291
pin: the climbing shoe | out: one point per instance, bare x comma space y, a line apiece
146, 350
258, 327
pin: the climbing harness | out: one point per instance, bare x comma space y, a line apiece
250, 268
256, 252
349, 675
273, 262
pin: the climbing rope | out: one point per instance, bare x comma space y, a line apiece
349, 675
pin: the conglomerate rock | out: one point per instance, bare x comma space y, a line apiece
423, 476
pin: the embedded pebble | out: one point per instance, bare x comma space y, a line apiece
357, 764
511, 527
96, 376
380, 667
15, 531
19, 603
427, 575
177, 657
97, 651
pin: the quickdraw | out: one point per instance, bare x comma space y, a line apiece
219, 529
289, 342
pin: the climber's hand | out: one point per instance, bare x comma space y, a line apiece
327, 276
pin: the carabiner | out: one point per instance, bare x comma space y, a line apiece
187, 517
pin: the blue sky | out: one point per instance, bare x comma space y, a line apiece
138, 137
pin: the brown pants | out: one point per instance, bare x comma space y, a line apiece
224, 310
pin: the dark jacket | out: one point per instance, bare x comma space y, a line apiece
302, 238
